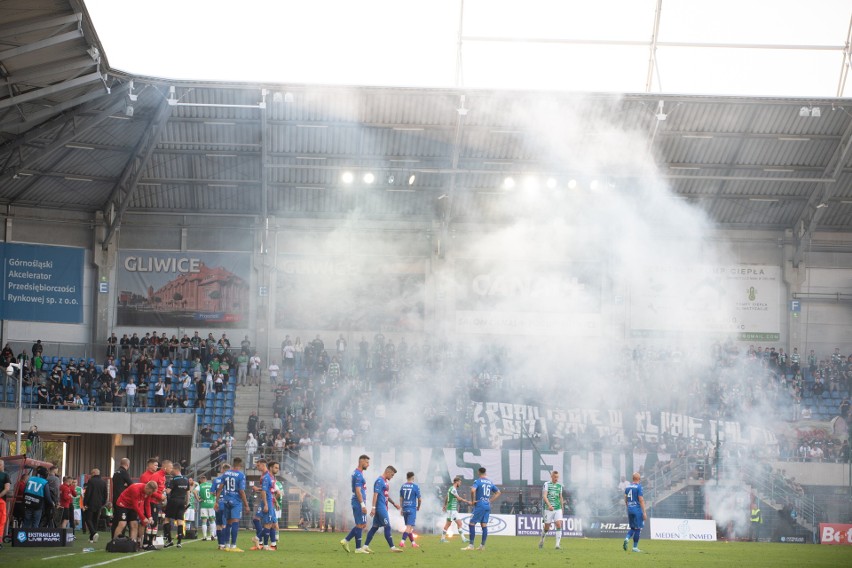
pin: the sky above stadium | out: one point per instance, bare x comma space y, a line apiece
785, 47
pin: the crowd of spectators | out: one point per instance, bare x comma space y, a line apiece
152, 372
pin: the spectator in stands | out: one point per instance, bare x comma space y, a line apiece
277, 425
142, 390
184, 383
160, 395
200, 393
206, 434
273, 373
251, 449
228, 427
130, 393
172, 402
254, 369
251, 426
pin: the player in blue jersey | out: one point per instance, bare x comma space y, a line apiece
636, 515
219, 512
409, 498
257, 519
359, 506
270, 518
483, 492
379, 512
231, 495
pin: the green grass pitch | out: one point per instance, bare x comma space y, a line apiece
321, 550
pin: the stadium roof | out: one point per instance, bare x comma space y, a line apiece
77, 135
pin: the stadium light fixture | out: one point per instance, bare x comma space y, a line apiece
411, 178
530, 183
572, 184
551, 183
347, 177
369, 177
509, 183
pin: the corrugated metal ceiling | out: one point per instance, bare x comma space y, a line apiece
745, 161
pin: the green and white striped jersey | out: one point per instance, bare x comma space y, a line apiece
552, 494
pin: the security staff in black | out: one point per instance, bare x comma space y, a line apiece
120, 481
178, 492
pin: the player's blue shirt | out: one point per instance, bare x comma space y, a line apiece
214, 485
409, 493
484, 488
380, 488
268, 486
233, 481
359, 484
633, 492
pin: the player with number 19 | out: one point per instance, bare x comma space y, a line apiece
231, 495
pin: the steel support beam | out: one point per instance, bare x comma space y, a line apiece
813, 211
35, 46
51, 90
40, 24
115, 101
15, 126
123, 191
264, 182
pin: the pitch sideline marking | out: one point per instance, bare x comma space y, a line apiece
123, 557
61, 556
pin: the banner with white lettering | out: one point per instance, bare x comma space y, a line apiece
42, 283
530, 525
358, 293
500, 422
183, 289
743, 300
496, 296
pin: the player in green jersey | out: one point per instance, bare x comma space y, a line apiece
451, 507
552, 508
206, 500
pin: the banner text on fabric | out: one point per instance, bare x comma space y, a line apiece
42, 283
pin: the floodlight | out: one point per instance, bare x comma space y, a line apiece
509, 182
551, 183
804, 111
369, 177
815, 112
347, 177
411, 178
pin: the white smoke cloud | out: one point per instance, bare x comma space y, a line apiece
560, 287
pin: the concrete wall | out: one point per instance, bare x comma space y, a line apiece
86, 422
819, 474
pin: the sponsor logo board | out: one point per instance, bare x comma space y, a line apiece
530, 525
683, 529
835, 533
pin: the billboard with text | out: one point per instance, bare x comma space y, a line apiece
42, 283
182, 289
